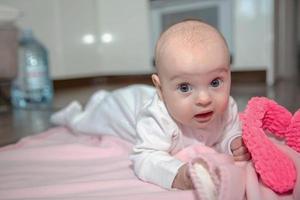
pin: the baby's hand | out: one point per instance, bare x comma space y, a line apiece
239, 150
183, 180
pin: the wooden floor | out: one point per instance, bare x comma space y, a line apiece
16, 124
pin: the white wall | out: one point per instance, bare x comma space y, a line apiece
128, 22
254, 36
72, 31
62, 28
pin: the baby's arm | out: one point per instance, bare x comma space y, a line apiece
155, 166
152, 158
157, 136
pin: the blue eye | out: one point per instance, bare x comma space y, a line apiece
184, 87
216, 82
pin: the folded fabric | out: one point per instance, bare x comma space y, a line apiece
227, 180
233, 180
292, 136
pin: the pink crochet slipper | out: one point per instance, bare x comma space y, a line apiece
274, 117
292, 136
277, 170
277, 118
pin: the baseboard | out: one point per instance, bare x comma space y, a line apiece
258, 76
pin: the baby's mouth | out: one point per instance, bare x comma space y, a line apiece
202, 117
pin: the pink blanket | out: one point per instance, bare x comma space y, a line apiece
60, 165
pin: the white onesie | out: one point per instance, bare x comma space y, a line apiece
136, 114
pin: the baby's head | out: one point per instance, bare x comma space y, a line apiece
193, 72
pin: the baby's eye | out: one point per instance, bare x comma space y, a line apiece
216, 82
184, 87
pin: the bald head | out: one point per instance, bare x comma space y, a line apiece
191, 33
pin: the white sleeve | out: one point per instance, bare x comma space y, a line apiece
232, 127
151, 155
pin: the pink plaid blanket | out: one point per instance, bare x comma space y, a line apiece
57, 164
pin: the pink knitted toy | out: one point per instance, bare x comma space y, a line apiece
261, 116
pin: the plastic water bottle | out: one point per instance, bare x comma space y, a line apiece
32, 87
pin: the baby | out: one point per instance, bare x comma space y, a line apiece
190, 104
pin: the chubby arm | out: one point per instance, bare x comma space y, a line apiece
151, 156
155, 166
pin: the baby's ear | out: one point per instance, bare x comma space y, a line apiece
156, 82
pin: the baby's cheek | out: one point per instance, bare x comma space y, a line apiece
223, 104
180, 112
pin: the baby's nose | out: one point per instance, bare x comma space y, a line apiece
203, 98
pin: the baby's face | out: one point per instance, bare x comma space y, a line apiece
195, 82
